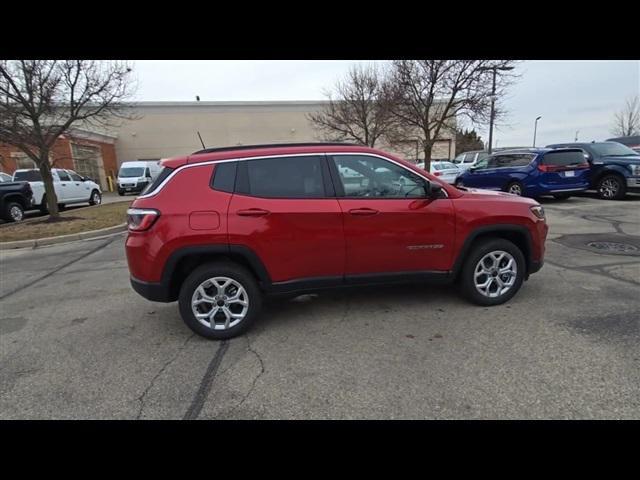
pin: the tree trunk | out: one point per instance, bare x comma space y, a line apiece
49, 190
427, 156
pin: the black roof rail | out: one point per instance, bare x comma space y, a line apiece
273, 145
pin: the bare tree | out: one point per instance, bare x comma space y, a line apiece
626, 122
357, 109
40, 100
428, 96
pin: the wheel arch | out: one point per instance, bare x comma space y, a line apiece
15, 198
609, 170
182, 262
517, 234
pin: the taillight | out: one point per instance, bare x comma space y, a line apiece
437, 174
140, 219
545, 168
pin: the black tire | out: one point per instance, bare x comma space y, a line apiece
514, 187
612, 187
61, 207
561, 196
478, 251
13, 212
121, 193
230, 270
95, 198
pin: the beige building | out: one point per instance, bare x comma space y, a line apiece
166, 129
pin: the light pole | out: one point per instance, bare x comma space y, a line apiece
576, 138
494, 69
535, 129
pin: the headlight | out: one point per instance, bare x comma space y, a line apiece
538, 211
635, 170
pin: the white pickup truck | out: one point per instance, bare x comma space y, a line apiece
70, 187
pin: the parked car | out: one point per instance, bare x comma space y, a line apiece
15, 198
615, 168
468, 159
221, 228
70, 187
633, 142
134, 177
5, 177
531, 172
445, 170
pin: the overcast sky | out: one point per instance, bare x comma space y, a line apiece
569, 95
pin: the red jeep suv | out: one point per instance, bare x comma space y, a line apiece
221, 228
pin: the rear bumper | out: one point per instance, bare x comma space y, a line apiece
156, 292
535, 266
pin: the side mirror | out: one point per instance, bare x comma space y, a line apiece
432, 190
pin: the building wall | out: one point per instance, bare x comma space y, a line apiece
62, 156
167, 129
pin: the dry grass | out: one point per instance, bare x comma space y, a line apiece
73, 221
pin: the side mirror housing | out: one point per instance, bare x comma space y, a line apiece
432, 190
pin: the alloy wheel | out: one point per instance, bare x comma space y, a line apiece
495, 274
16, 213
609, 188
515, 189
220, 303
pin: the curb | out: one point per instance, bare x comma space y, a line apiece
39, 242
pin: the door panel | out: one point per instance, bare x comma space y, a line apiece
284, 209
61, 186
294, 238
402, 236
389, 224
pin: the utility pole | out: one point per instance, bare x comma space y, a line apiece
576, 139
492, 114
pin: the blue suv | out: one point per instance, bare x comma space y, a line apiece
531, 172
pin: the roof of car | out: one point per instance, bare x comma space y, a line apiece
576, 144
270, 145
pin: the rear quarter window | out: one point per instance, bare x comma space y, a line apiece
224, 176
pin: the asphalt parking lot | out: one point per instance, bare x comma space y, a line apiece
77, 343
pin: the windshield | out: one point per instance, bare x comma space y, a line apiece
131, 172
27, 176
611, 149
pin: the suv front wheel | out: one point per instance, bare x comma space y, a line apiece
612, 187
493, 272
219, 300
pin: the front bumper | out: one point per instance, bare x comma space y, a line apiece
138, 187
633, 183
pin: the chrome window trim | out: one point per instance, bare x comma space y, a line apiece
260, 157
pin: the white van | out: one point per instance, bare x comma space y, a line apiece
70, 187
134, 177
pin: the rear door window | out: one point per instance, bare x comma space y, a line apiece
284, 177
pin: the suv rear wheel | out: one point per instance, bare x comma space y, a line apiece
493, 272
219, 300
515, 188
